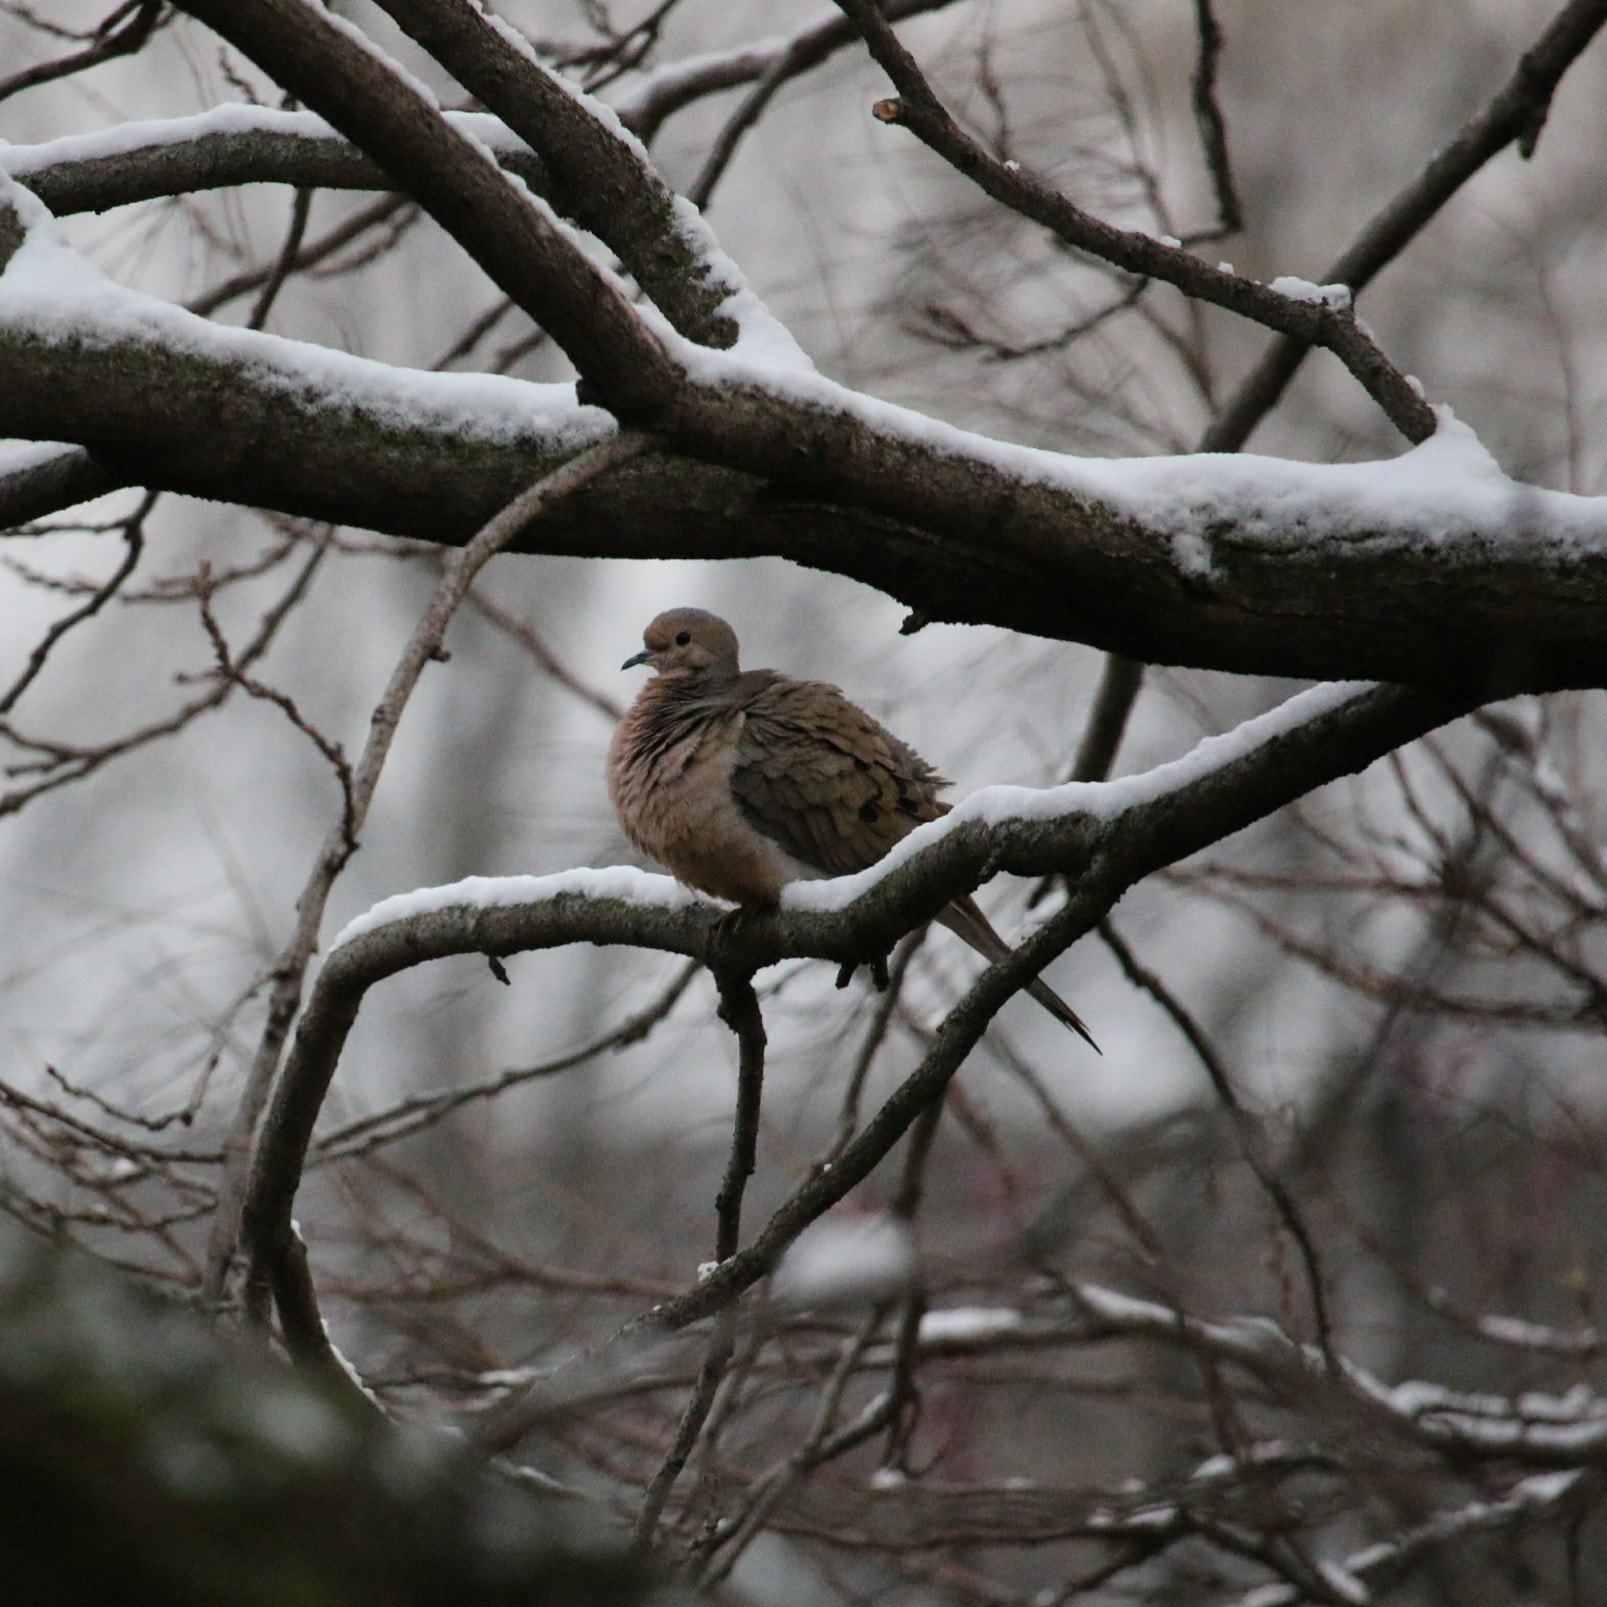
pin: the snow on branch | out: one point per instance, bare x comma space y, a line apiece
618, 883
90, 362
51, 294
227, 145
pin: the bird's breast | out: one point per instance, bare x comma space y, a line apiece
670, 783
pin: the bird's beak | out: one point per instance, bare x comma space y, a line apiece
641, 658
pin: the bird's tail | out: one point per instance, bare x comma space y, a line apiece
967, 921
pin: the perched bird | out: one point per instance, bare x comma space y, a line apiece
740, 781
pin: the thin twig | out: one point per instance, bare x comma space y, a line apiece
903, 1394
134, 540
284, 263
819, 1445
122, 33
303, 256
1517, 112
715, 1361
527, 637
875, 1034
1209, 120
230, 670
60, 764
751, 108
408, 1116
1120, 682
739, 1009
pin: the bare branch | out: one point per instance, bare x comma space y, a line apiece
408, 1116
739, 1009
1252, 1140
1129, 846
134, 545
124, 31
203, 152
1212, 126
525, 635
1333, 327
1516, 113
42, 484
669, 89
598, 178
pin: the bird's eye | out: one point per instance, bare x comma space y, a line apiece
682, 638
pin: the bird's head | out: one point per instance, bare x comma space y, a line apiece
688, 640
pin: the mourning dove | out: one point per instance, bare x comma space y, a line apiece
740, 781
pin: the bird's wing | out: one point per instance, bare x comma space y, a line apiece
819, 777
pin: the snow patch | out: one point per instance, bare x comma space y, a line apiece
19, 457
623, 882
673, 79
845, 1259
55, 294
1191, 552
1335, 296
233, 117
1544, 1488
962, 1324
1344, 1584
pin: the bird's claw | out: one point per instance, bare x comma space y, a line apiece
878, 973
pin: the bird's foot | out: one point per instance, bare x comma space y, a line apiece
728, 930
878, 973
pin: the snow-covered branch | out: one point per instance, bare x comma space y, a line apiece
1434, 566
968, 1260
1103, 837
229, 145
514, 237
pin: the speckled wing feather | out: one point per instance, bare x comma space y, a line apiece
822, 779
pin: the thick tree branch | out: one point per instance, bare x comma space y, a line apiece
1119, 682
599, 177
1040, 551
175, 404
521, 248
222, 149
378, 450
36, 483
